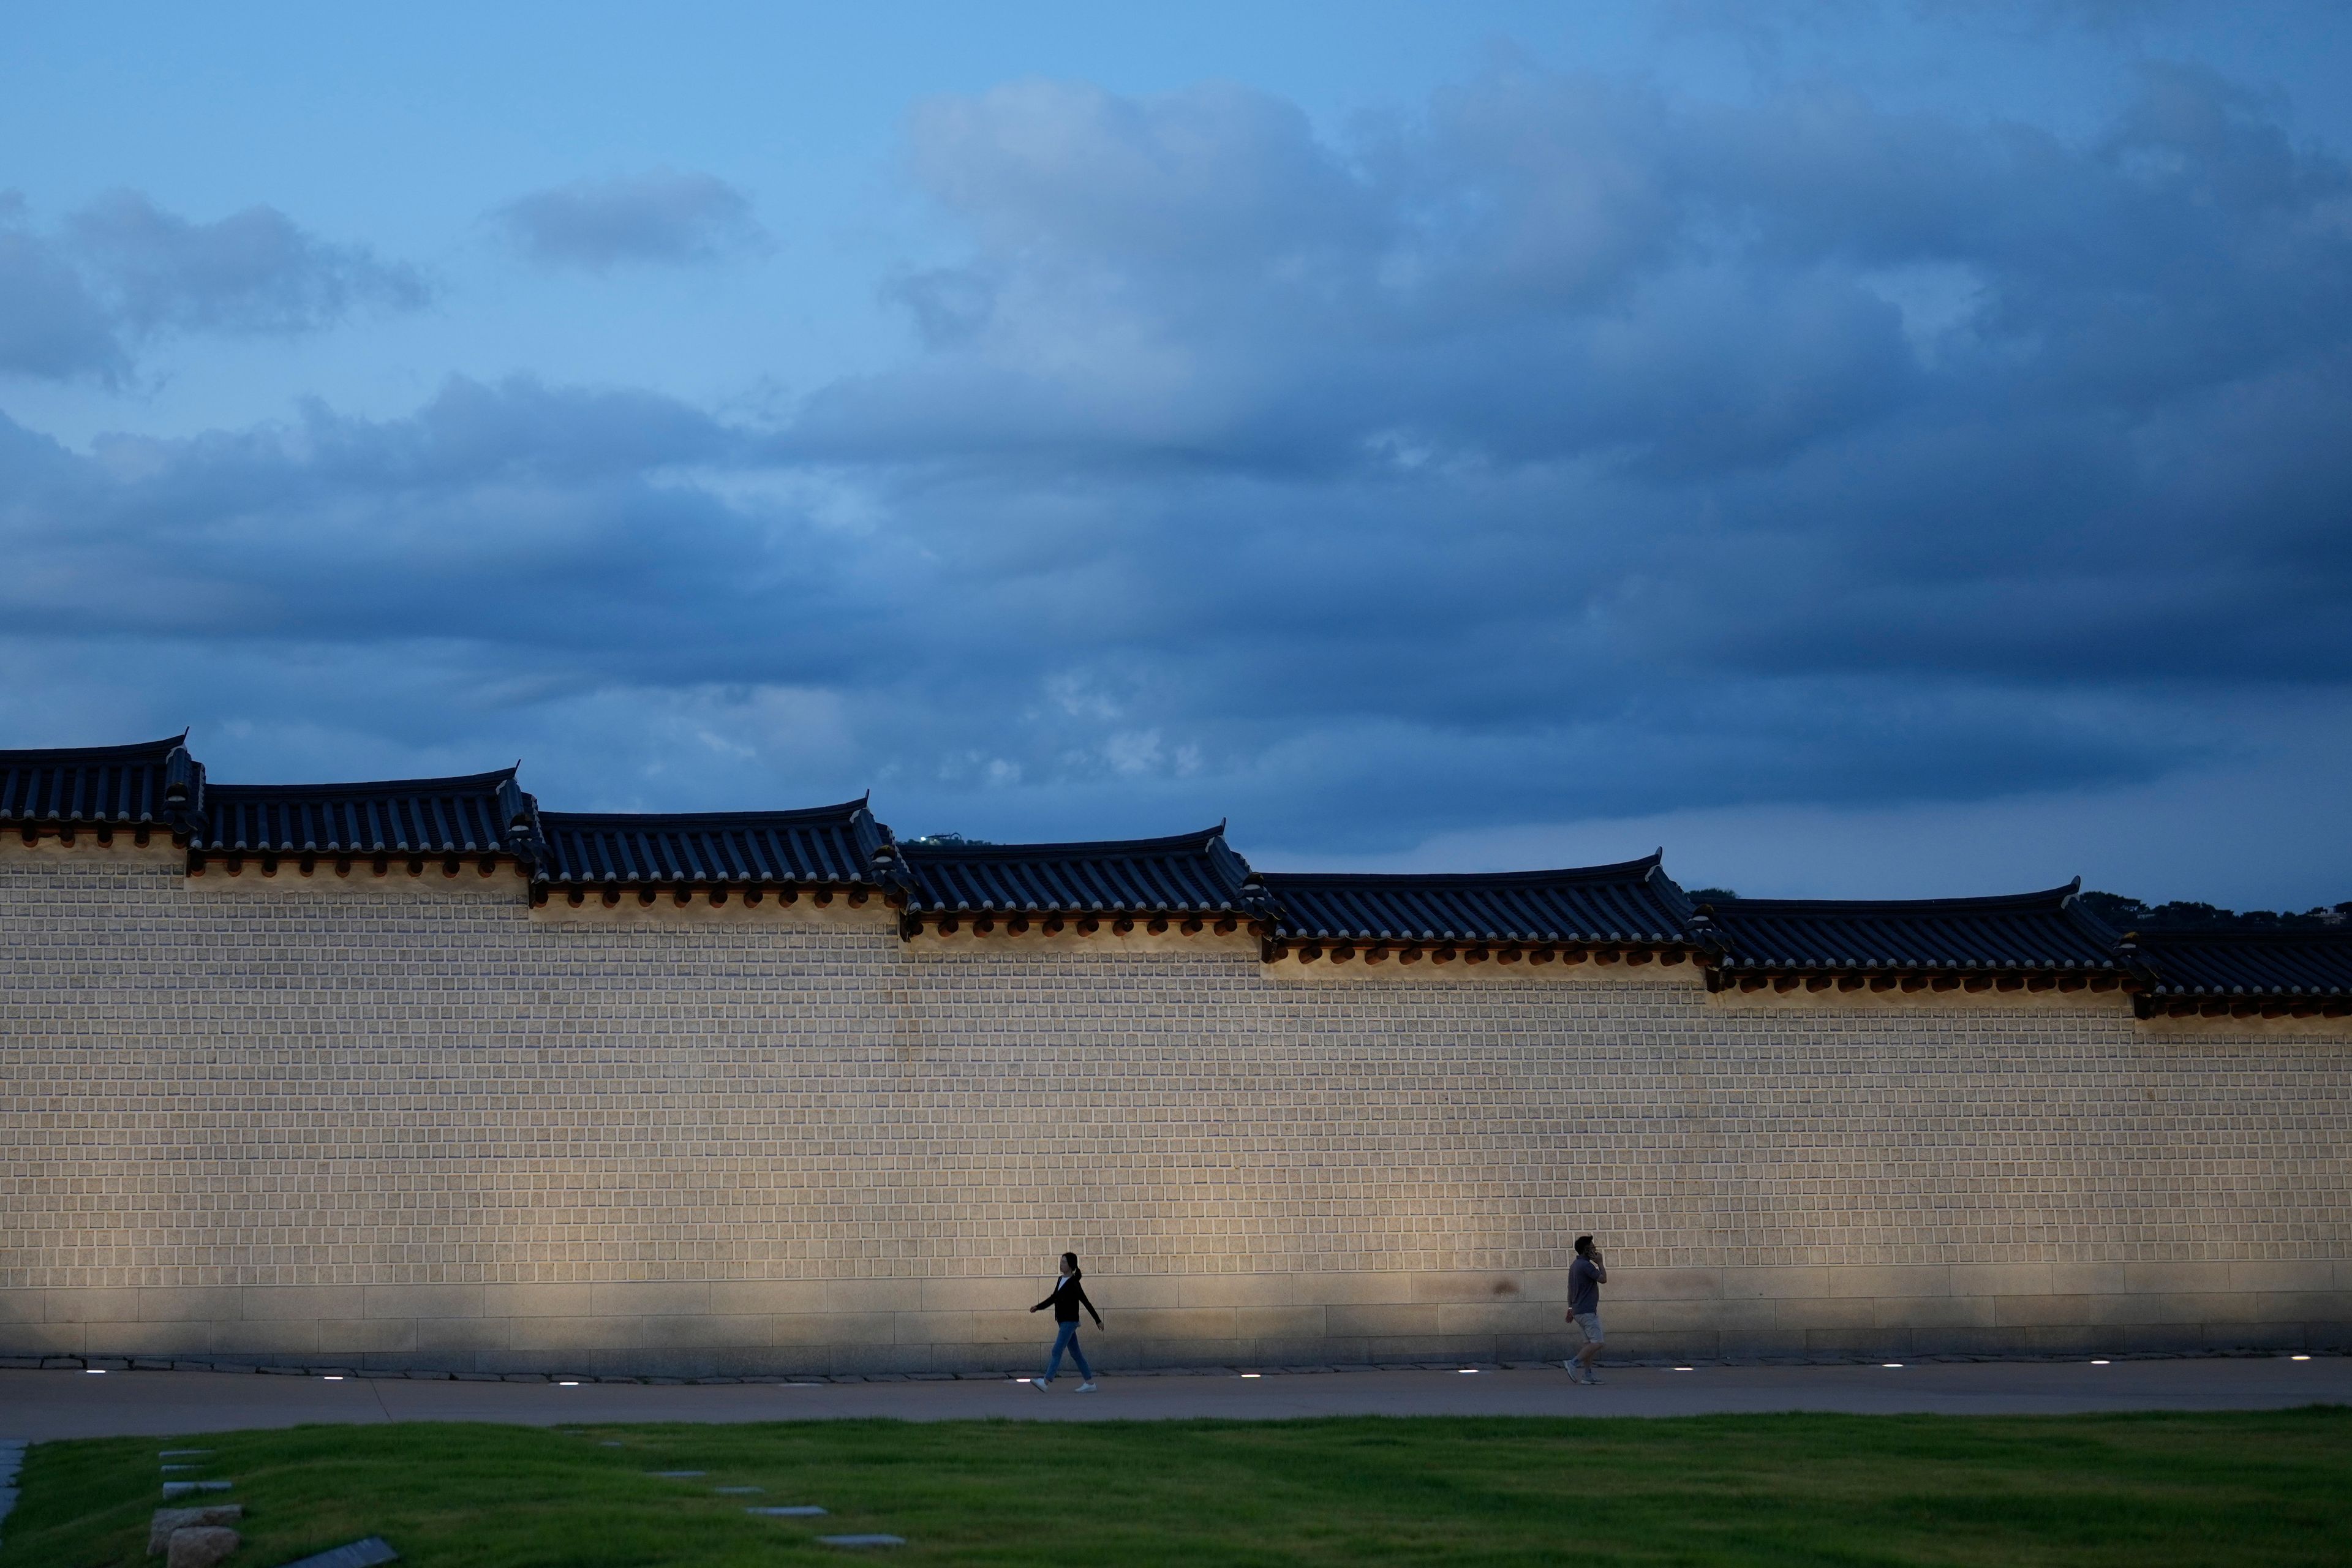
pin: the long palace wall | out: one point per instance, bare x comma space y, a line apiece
396, 1121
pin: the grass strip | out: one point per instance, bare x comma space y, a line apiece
2269, 1488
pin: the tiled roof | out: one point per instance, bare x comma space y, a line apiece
1190, 874
829, 844
1631, 913
2269, 971
2039, 933
100, 786
1631, 902
480, 813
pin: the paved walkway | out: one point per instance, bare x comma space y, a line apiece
73, 1404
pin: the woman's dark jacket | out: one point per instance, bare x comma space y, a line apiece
1067, 1298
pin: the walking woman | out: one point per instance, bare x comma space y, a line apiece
1067, 1298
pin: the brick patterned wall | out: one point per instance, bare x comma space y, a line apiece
413, 1123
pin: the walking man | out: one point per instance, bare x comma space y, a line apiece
1585, 1277
1067, 1298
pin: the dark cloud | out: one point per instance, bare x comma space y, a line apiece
1825, 387
1551, 268
50, 323
664, 217
252, 272
83, 301
1558, 450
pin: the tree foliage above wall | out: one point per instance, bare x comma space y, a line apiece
2131, 914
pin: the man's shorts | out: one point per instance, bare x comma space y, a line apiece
1588, 1325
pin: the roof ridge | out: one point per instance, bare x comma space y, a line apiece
155, 749
2051, 898
1198, 840
710, 818
2192, 934
1631, 870
363, 787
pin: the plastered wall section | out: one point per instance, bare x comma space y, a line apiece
413, 1123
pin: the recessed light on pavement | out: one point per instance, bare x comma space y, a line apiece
332, 1377
1683, 1369
567, 1383
93, 1371
2096, 1361
1253, 1374
2299, 1358
1891, 1363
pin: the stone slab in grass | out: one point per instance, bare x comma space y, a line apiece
738, 1491
167, 1519
188, 1489
675, 1475
358, 1554
856, 1541
183, 1453
201, 1546
795, 1511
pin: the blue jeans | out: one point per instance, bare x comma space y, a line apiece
1066, 1338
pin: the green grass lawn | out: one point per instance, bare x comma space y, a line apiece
2269, 1488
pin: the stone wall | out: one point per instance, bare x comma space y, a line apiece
414, 1122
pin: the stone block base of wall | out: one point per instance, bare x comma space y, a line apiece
742, 1327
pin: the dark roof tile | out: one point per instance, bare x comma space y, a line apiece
2043, 931
829, 844
1633, 903
1191, 873
2270, 963
129, 785
480, 814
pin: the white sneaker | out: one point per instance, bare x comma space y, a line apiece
1087, 1387
1592, 1376
1039, 1384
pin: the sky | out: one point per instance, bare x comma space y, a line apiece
1887, 450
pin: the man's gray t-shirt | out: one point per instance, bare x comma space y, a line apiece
1583, 1286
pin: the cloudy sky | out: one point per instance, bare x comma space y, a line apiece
1903, 449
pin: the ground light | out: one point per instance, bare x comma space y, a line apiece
1682, 1369
93, 1371
1892, 1363
1253, 1374
333, 1377
1469, 1372
2299, 1358
2096, 1361
568, 1383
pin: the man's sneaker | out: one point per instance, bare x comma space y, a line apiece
1039, 1384
1568, 1366
1087, 1387
1591, 1375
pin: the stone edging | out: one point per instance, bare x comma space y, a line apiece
117, 1363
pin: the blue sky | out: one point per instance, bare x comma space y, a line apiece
1893, 450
